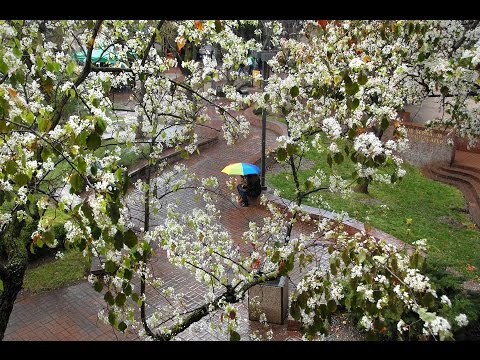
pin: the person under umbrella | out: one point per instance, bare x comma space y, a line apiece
249, 186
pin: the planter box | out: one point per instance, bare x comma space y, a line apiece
271, 298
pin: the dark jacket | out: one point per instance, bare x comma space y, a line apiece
254, 188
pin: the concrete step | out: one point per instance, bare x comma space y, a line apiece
472, 173
465, 184
466, 167
465, 176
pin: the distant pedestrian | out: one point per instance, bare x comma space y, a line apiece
251, 62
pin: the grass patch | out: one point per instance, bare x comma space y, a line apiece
454, 243
54, 274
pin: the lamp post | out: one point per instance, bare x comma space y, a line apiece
264, 56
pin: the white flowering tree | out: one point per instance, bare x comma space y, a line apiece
40, 84
328, 85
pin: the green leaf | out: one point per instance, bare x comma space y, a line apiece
276, 257
49, 237
384, 123
109, 298
289, 265
444, 90
111, 317
127, 274
114, 212
294, 91
122, 326
96, 232
393, 178
126, 182
3, 66
362, 78
282, 154
308, 185
135, 297
119, 174
331, 306
338, 157
234, 336
21, 179
11, 167
333, 269
17, 52
128, 289
337, 79
266, 97
94, 141
120, 299
87, 211
20, 76
1, 285
352, 104
46, 153
428, 300
71, 67
100, 126
81, 164
329, 160
44, 124
184, 154
3, 123
348, 303
76, 181
291, 149
361, 256
118, 240
295, 311
130, 238
351, 88
110, 267
98, 286
39, 62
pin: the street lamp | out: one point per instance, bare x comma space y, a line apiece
264, 57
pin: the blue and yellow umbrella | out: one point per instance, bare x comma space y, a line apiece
241, 169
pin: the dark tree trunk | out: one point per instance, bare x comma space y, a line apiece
13, 262
361, 188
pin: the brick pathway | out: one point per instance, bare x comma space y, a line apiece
70, 313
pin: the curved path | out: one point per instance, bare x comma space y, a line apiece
70, 313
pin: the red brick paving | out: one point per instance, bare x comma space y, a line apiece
70, 313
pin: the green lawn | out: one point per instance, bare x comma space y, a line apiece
56, 273
434, 208
53, 273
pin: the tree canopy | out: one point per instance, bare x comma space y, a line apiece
339, 85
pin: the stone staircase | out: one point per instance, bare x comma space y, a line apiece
464, 177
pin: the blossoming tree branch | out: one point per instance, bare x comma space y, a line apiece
339, 86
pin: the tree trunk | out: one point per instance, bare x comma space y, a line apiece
13, 263
361, 188
141, 95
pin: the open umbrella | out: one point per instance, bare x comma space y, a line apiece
241, 169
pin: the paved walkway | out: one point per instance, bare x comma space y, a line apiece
70, 313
